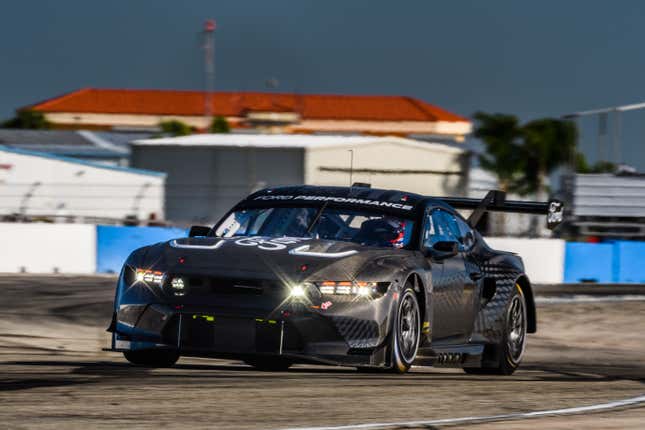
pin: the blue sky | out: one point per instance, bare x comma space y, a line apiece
533, 59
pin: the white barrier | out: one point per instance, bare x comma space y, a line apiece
543, 258
71, 248
47, 248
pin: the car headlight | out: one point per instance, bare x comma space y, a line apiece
301, 291
148, 276
355, 288
298, 291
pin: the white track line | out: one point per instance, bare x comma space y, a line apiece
579, 298
472, 420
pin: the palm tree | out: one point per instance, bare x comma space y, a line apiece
501, 135
548, 144
522, 156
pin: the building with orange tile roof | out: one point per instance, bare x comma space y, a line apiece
95, 108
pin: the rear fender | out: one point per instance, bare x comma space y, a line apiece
531, 314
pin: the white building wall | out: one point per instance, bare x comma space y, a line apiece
43, 185
207, 174
203, 183
393, 163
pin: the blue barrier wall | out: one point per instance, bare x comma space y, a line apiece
617, 262
629, 262
114, 244
588, 262
612, 262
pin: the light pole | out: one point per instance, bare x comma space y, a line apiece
209, 66
615, 112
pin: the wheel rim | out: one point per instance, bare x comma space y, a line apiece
408, 329
516, 329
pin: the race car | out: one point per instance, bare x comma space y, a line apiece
354, 276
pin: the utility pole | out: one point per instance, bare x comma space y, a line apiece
209, 68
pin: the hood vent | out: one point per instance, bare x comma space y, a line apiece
195, 244
304, 251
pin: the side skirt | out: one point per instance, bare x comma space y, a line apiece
467, 355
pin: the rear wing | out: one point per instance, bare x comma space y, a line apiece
495, 201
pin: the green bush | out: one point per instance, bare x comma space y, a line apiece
219, 125
28, 119
175, 128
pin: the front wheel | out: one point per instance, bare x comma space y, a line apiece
509, 351
407, 332
152, 358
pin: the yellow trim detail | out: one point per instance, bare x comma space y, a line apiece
425, 328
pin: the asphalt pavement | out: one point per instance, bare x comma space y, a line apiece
53, 374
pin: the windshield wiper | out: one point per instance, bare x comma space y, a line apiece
317, 217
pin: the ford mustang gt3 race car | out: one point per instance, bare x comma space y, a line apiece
354, 276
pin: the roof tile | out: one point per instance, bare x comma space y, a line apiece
309, 106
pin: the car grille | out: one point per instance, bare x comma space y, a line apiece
207, 286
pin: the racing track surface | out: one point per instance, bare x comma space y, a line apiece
53, 374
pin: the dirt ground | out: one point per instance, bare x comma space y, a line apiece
53, 374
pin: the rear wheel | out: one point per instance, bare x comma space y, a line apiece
510, 349
407, 332
269, 364
152, 358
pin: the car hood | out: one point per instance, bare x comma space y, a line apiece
293, 259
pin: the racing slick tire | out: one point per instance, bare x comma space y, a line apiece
152, 358
270, 364
407, 331
510, 349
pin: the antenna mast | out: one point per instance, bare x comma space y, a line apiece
209, 68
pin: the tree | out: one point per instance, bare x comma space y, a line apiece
175, 128
582, 166
28, 119
219, 125
548, 144
523, 156
501, 137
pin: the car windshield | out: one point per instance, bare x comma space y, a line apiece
364, 227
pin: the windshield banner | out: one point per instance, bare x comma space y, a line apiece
349, 200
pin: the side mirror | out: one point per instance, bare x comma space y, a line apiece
443, 249
198, 230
